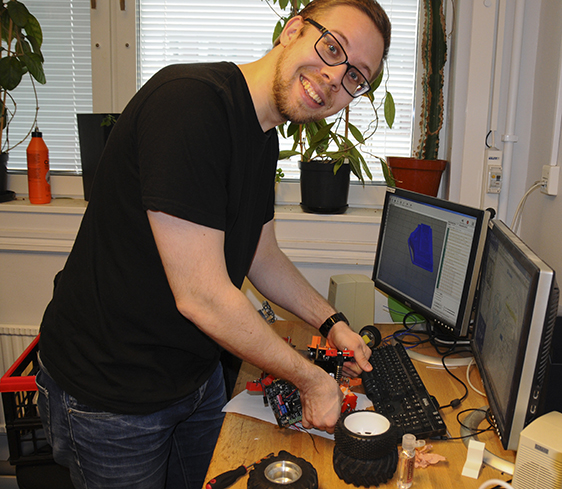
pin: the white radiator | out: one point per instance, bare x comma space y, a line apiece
13, 341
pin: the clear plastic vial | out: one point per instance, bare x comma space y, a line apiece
406, 462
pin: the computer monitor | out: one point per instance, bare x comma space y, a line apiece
428, 256
514, 325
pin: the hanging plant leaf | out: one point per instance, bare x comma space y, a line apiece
18, 13
389, 109
377, 82
387, 173
11, 73
277, 30
35, 66
292, 129
285, 154
357, 134
34, 33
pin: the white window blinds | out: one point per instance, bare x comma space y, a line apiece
189, 31
68, 91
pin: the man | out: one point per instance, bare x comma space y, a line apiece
181, 212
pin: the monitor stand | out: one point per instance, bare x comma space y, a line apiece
471, 423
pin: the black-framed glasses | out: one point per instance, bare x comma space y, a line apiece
332, 53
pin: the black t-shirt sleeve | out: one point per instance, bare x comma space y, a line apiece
184, 153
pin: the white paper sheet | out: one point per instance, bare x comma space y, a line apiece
252, 405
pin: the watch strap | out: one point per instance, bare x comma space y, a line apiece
329, 323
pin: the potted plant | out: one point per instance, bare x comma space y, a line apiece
423, 172
93, 131
329, 151
22, 38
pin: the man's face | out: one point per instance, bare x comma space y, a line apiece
305, 88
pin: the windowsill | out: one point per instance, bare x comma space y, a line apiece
291, 212
68, 193
56, 206
351, 215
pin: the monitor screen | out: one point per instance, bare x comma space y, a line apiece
514, 324
428, 256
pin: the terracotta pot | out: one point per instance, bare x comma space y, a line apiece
422, 176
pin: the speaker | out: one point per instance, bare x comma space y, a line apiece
354, 295
539, 456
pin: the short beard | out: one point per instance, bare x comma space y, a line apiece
281, 98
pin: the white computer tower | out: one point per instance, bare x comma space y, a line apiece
354, 295
538, 464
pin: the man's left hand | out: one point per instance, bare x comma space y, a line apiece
343, 337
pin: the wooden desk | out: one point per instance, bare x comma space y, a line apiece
244, 440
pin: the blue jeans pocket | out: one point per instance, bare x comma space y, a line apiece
43, 404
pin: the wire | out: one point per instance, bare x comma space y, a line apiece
399, 335
496, 483
455, 402
473, 432
519, 210
469, 381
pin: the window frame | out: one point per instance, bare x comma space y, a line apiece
114, 83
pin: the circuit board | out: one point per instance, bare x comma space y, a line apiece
285, 401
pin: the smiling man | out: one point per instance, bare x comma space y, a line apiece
325, 79
181, 212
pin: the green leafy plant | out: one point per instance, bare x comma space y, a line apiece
20, 55
108, 120
338, 141
279, 175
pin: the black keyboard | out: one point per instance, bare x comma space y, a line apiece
398, 393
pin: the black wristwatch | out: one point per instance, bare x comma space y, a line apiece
333, 319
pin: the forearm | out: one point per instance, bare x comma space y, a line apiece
275, 276
229, 318
283, 284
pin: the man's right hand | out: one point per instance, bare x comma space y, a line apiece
321, 400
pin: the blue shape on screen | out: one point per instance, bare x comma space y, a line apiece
420, 244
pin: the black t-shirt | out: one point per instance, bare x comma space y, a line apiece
188, 144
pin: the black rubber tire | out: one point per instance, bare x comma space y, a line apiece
365, 473
258, 479
373, 333
365, 435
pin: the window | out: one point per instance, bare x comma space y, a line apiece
68, 91
181, 31
174, 31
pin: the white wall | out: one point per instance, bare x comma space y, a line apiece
482, 62
542, 218
35, 242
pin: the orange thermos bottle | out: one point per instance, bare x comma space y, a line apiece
38, 176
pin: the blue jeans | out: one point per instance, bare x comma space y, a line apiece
171, 448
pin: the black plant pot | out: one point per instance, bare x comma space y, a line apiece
322, 192
3, 172
5, 194
93, 137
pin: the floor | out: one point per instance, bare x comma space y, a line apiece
7, 477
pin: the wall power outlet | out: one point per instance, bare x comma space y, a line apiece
550, 178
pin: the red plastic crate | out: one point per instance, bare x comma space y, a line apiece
26, 438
